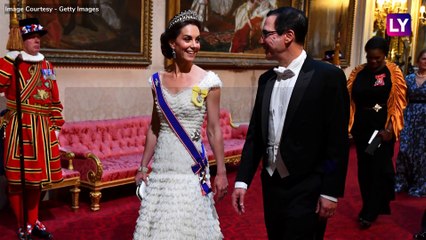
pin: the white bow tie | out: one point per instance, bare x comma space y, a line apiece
283, 73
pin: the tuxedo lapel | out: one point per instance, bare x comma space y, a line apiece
265, 105
302, 82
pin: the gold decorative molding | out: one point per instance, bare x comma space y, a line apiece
69, 156
75, 193
79, 56
397, 45
95, 177
230, 160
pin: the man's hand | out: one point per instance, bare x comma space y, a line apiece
325, 207
238, 200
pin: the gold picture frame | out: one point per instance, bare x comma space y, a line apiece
330, 22
340, 30
87, 38
216, 37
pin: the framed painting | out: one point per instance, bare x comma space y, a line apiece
330, 22
231, 30
418, 40
230, 38
112, 33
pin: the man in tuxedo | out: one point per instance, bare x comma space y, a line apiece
299, 128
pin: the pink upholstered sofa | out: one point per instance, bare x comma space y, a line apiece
108, 152
71, 180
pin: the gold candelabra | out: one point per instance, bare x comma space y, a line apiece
383, 8
396, 44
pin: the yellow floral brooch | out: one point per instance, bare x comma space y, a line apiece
198, 95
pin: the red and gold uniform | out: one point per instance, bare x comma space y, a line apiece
41, 117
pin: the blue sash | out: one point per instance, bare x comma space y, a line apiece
200, 159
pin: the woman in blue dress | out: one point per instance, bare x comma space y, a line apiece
411, 162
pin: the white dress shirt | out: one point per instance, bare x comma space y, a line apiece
280, 98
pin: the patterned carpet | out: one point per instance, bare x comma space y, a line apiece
119, 207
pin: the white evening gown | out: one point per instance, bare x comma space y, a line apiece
174, 207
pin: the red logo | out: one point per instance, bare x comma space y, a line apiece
380, 80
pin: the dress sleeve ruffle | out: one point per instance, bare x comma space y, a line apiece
211, 81
350, 82
397, 99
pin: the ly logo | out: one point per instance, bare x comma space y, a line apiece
398, 24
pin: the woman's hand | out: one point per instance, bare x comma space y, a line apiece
220, 186
386, 135
141, 176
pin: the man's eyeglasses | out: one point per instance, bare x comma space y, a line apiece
266, 34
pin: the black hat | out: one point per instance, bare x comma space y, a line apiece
30, 26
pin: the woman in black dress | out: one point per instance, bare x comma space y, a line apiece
377, 91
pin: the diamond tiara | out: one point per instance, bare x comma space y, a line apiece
184, 16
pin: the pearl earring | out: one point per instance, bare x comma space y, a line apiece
173, 53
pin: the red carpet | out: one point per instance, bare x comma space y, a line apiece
119, 207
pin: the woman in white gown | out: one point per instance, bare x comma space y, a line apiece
175, 205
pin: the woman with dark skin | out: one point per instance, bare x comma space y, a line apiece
377, 90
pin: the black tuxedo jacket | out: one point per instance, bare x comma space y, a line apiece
315, 133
